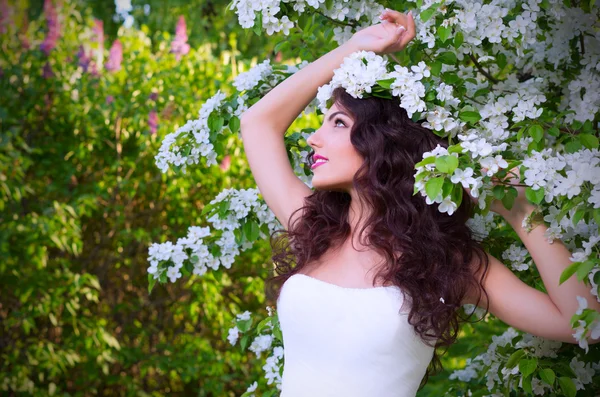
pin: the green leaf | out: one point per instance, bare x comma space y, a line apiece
444, 32
534, 196
251, 230
258, 24
457, 194
548, 376
568, 272
425, 161
564, 369
433, 187
450, 77
554, 131
223, 208
499, 192
430, 96
573, 146
501, 60
207, 208
428, 13
509, 199
528, 366
567, 386
470, 116
584, 269
244, 325
436, 68
386, 83
234, 124
449, 58
589, 141
597, 217
215, 250
527, 384
579, 214
244, 342
536, 132
459, 38
455, 148
514, 358
446, 164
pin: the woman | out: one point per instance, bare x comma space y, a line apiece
378, 274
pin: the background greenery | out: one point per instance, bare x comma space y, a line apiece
81, 200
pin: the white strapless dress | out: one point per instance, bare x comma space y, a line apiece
349, 342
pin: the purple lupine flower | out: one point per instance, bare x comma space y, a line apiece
84, 58
47, 72
179, 46
153, 121
97, 53
115, 57
53, 28
5, 15
109, 99
153, 96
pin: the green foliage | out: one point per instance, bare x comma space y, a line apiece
81, 199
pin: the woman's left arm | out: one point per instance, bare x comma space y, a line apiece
520, 305
551, 260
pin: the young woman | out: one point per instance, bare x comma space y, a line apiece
370, 277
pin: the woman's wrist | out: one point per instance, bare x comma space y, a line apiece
350, 47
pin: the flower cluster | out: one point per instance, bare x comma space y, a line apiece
195, 135
557, 174
357, 74
200, 137
517, 256
266, 338
238, 217
266, 12
513, 357
592, 325
363, 70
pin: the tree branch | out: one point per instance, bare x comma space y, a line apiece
482, 71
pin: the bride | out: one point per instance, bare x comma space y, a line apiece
378, 274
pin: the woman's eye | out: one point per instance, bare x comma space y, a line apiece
339, 121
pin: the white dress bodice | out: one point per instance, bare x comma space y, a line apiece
350, 342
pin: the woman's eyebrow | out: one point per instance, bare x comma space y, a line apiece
332, 115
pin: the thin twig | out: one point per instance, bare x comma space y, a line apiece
482, 71
335, 21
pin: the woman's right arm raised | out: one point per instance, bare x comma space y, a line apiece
263, 126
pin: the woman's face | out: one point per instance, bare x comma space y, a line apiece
332, 141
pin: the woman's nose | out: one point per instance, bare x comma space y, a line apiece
312, 140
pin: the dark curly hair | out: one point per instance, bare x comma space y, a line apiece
437, 250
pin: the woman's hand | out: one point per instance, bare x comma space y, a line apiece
521, 206
391, 35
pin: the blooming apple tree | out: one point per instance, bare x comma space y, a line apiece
509, 84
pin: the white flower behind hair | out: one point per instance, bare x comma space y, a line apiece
357, 75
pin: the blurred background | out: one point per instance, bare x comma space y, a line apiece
89, 88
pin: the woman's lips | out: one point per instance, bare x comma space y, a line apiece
315, 165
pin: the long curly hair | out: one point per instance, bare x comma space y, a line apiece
437, 251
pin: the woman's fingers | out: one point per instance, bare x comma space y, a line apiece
403, 36
410, 30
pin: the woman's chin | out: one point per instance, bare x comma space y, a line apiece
319, 184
